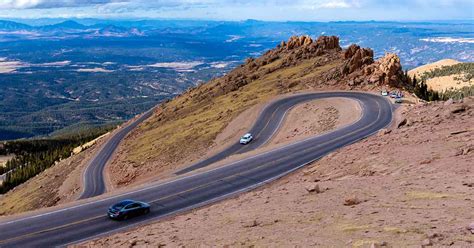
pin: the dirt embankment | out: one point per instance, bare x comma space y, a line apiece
408, 186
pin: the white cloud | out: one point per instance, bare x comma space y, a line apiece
47, 4
242, 9
19, 4
335, 5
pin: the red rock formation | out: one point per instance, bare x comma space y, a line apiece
360, 67
307, 43
357, 57
328, 42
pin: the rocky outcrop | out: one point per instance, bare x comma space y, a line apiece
386, 71
298, 48
309, 45
359, 67
357, 57
296, 42
328, 42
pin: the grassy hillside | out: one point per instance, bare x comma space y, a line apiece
445, 75
188, 124
181, 126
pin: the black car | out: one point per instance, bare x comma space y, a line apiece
128, 208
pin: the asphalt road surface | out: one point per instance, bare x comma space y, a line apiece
94, 184
88, 220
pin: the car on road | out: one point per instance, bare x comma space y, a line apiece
128, 208
246, 139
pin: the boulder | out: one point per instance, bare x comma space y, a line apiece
470, 227
313, 188
402, 123
384, 132
351, 201
426, 242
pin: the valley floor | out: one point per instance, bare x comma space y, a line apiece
410, 185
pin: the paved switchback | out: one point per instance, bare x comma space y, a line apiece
87, 220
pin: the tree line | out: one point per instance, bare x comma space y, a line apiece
31, 157
465, 70
421, 90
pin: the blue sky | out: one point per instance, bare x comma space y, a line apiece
275, 10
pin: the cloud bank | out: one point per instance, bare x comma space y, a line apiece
243, 9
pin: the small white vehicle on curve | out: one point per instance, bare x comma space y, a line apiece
246, 139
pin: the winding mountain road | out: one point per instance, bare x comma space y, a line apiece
87, 220
93, 177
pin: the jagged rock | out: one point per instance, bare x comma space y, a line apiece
295, 42
389, 69
360, 61
328, 42
317, 47
357, 57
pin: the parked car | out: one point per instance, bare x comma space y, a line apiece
128, 208
384, 93
398, 100
246, 139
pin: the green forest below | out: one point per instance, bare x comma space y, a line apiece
33, 156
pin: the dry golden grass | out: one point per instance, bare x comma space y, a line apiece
423, 195
196, 121
444, 83
352, 227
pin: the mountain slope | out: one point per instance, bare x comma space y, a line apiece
446, 74
184, 129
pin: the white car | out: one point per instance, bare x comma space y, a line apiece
246, 139
384, 93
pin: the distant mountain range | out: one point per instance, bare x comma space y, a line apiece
58, 74
71, 26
